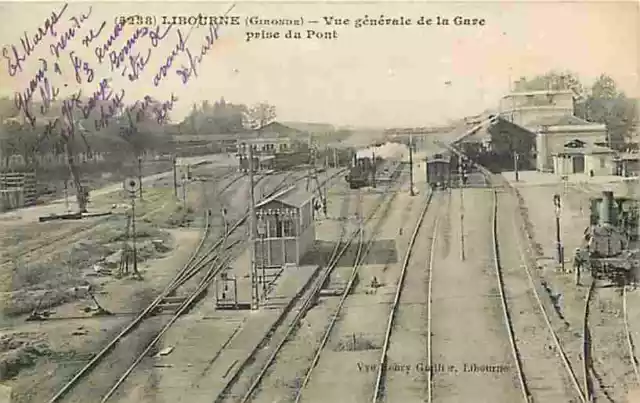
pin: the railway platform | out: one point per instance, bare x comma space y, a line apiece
535, 178
286, 285
210, 346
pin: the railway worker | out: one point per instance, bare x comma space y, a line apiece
578, 262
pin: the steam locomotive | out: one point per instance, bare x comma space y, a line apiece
363, 172
611, 240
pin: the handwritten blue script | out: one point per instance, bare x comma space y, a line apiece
30, 42
105, 104
185, 73
69, 34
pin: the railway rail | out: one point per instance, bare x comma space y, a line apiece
382, 365
307, 301
181, 276
66, 236
501, 186
362, 252
210, 259
607, 374
629, 338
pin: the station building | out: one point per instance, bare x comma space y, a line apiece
578, 157
286, 228
550, 116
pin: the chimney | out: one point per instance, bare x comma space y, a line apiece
606, 207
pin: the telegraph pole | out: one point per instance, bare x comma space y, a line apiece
252, 233
140, 174
375, 170
184, 192
515, 165
411, 163
66, 194
175, 176
462, 172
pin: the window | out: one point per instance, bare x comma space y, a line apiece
602, 162
278, 227
287, 226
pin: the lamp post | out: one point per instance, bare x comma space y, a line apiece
559, 249
262, 232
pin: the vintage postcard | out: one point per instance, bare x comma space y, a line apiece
346, 202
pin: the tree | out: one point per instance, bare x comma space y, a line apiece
142, 126
259, 115
601, 103
553, 80
222, 117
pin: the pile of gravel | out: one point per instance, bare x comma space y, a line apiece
19, 351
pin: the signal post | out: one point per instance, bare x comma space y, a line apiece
132, 186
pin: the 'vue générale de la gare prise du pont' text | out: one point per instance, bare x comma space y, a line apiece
327, 26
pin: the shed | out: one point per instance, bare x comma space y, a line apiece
286, 229
260, 162
578, 157
628, 164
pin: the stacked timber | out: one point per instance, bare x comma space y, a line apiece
17, 189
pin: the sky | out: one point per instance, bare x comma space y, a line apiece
368, 76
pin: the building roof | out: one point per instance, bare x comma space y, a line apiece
538, 92
578, 147
280, 129
629, 156
293, 196
567, 120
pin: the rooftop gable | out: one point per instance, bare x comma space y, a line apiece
292, 196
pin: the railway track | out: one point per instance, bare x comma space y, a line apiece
607, 373
66, 236
395, 324
629, 338
272, 345
297, 343
211, 260
199, 257
523, 293
551, 376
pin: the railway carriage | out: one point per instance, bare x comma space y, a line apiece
439, 171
